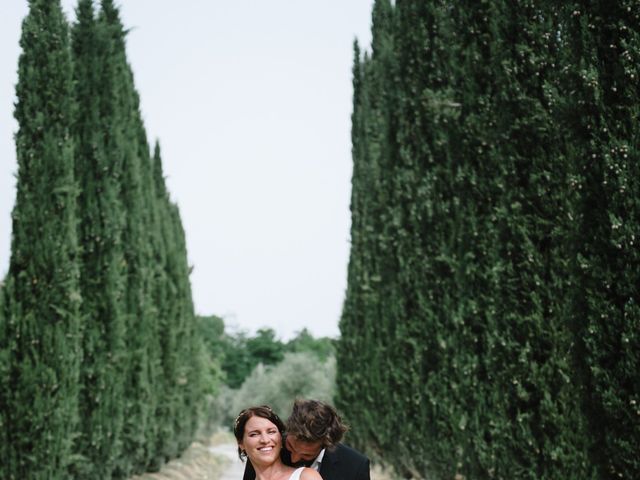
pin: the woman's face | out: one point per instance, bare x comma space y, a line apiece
261, 441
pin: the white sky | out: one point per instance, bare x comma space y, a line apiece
251, 101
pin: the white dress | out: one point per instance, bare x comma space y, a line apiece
296, 474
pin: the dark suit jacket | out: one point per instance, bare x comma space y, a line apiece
341, 463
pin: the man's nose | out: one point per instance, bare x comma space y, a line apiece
295, 458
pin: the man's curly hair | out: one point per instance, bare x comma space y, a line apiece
313, 421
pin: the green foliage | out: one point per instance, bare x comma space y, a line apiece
322, 347
242, 353
264, 347
211, 330
102, 272
4, 382
297, 375
236, 362
263, 368
491, 306
104, 333
602, 142
42, 296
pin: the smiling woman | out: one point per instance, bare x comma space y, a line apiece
259, 431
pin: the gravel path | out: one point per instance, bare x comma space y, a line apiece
235, 470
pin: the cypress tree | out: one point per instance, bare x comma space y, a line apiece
189, 345
599, 112
164, 292
530, 399
429, 219
142, 384
179, 346
467, 181
370, 307
4, 383
43, 298
98, 170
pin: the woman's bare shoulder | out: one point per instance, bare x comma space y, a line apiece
310, 474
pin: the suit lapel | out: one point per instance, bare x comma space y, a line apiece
328, 466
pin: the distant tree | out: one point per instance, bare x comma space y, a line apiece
323, 347
242, 353
297, 375
211, 331
235, 363
42, 292
265, 348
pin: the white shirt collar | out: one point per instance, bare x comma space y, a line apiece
316, 463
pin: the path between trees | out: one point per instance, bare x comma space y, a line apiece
235, 468
219, 461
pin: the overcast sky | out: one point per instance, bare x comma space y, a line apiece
251, 102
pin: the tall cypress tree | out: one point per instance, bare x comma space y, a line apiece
4, 382
507, 145
188, 346
599, 112
43, 296
526, 345
429, 219
128, 146
370, 307
166, 415
98, 169
171, 415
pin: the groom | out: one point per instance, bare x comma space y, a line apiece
314, 431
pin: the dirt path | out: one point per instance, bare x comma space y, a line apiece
235, 469
198, 462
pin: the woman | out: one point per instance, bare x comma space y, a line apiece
258, 431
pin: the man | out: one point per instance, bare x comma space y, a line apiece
314, 431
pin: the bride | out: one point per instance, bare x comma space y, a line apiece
258, 431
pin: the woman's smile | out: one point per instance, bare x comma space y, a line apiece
261, 439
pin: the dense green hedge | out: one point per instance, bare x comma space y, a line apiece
490, 326
101, 367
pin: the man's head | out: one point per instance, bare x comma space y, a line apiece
312, 426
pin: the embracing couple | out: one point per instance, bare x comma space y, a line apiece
308, 448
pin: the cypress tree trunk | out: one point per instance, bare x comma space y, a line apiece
43, 296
